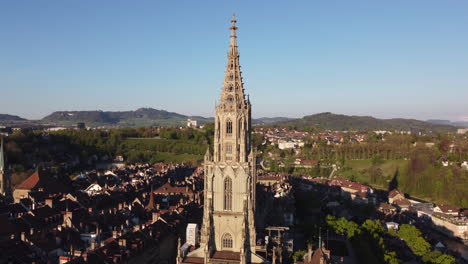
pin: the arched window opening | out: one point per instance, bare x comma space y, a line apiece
230, 99
230, 88
228, 194
229, 127
227, 241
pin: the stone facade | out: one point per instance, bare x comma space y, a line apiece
228, 228
4, 180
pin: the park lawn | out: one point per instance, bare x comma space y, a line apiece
356, 171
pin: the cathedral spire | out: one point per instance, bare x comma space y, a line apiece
2, 158
232, 96
233, 29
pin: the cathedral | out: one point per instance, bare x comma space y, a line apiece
228, 229
4, 180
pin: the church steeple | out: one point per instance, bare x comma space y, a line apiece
2, 158
230, 174
3, 179
232, 96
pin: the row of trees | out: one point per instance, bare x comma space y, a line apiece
389, 147
420, 247
367, 239
26, 149
370, 244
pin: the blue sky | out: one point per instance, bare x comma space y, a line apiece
401, 58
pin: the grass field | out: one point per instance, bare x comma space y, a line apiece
358, 170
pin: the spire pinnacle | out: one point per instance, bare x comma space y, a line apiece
233, 29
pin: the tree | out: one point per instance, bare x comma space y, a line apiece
299, 255
373, 227
391, 258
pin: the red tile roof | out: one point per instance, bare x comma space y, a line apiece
448, 208
394, 193
168, 188
195, 260
226, 255
402, 202
30, 182
387, 206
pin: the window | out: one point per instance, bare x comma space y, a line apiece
230, 99
230, 88
228, 148
229, 127
228, 194
227, 241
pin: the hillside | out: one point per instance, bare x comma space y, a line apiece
330, 121
6, 117
139, 117
269, 120
448, 122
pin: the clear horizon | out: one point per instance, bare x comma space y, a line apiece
387, 60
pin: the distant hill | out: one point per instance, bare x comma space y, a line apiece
137, 118
330, 121
6, 117
448, 122
268, 120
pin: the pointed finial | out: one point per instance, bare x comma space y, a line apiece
233, 29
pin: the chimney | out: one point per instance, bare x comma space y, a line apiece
93, 244
67, 219
155, 217
49, 202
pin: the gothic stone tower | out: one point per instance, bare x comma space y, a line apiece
4, 182
230, 177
